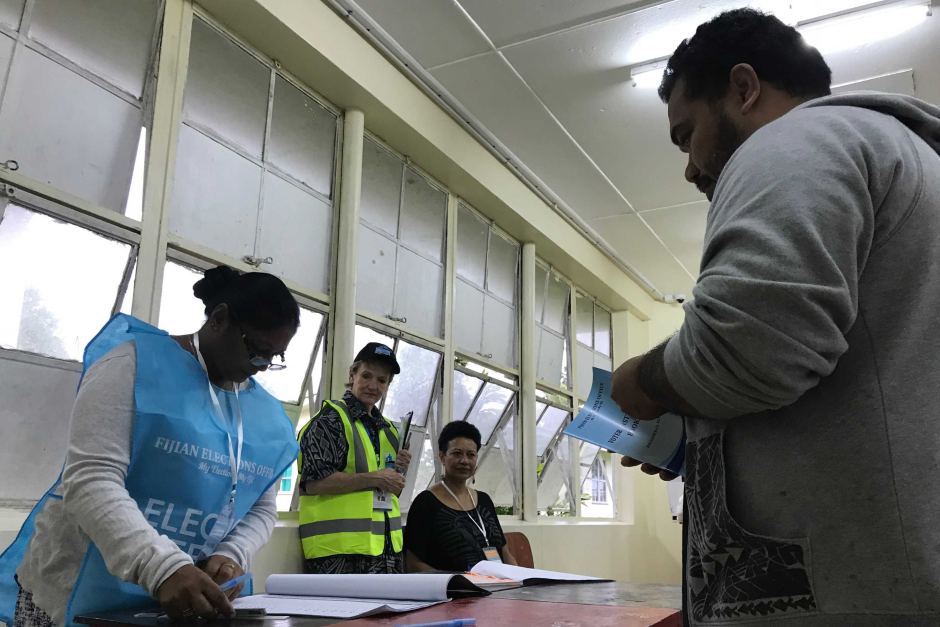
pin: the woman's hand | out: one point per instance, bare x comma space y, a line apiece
222, 569
190, 593
403, 461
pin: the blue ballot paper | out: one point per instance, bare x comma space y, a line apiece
659, 442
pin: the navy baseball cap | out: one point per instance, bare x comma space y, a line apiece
374, 351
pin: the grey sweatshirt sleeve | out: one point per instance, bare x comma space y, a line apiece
95, 496
787, 237
253, 531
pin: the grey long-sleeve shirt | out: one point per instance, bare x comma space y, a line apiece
97, 507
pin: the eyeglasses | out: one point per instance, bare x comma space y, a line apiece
257, 357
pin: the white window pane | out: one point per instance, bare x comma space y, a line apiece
423, 216
112, 38
425, 463
468, 317
499, 331
495, 478
502, 267
226, 89
134, 207
550, 357
588, 455
556, 305
541, 274
552, 491
180, 311
6, 52
465, 390
364, 335
381, 187
57, 306
583, 374
10, 12
489, 408
419, 293
295, 233
85, 148
215, 195
602, 330
375, 277
604, 362
547, 427
471, 246
286, 384
303, 137
584, 319
411, 389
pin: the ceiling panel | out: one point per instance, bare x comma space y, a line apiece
511, 20
897, 83
641, 250
682, 229
432, 31
498, 100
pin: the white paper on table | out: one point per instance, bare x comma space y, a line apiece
527, 575
389, 587
325, 606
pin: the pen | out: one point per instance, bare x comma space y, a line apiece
456, 622
231, 583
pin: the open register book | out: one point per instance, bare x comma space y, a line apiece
352, 596
494, 576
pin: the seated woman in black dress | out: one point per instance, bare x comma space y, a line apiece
452, 526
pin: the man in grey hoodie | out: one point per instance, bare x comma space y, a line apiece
809, 360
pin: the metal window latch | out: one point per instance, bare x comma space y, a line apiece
251, 260
401, 319
10, 164
485, 355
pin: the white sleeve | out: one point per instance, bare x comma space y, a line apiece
95, 495
252, 532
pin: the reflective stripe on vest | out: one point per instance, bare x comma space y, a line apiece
346, 524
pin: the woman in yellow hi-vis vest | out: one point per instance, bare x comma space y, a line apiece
351, 473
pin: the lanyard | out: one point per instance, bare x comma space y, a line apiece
234, 462
479, 525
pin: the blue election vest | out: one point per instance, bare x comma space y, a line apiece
179, 472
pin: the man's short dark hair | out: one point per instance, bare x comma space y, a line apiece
777, 52
458, 429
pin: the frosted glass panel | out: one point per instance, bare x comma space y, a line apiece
583, 375
584, 320
295, 232
547, 427
381, 187
287, 384
180, 311
602, 330
6, 52
471, 246
423, 215
465, 390
556, 305
468, 317
112, 38
412, 389
502, 267
226, 89
489, 408
419, 293
541, 274
10, 12
215, 195
499, 331
303, 137
70, 287
550, 356
68, 132
375, 278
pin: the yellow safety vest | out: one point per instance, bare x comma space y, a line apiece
346, 524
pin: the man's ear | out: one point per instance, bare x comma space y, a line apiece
744, 87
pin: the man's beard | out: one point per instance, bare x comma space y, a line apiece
728, 139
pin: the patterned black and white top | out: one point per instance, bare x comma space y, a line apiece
324, 449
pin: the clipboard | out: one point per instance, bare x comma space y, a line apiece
405, 430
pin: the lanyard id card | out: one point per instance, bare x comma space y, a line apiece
492, 554
382, 500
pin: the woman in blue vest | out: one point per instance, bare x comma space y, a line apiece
168, 487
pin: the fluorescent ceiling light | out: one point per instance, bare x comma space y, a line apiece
856, 28
648, 74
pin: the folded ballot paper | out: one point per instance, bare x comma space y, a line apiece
659, 442
495, 576
353, 596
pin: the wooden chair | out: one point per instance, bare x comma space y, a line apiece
518, 545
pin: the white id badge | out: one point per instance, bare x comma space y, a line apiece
492, 554
382, 500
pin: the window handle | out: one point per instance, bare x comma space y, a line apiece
251, 260
485, 355
402, 319
10, 164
